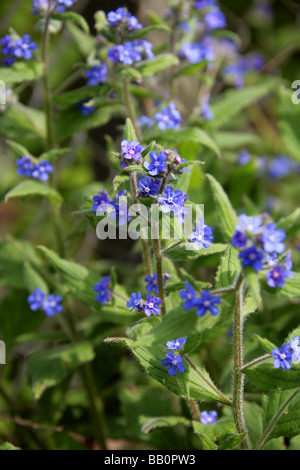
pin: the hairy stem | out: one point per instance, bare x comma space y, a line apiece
238, 376
159, 271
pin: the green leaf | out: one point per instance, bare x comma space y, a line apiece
48, 368
230, 441
71, 120
150, 423
216, 431
18, 148
8, 446
187, 385
33, 188
151, 67
33, 280
183, 254
73, 97
142, 32
21, 72
266, 377
235, 101
193, 134
266, 344
190, 69
227, 140
119, 180
253, 283
72, 16
129, 131
81, 281
229, 268
225, 212
284, 409
53, 154
290, 221
84, 41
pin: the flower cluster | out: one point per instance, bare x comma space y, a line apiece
234, 72
51, 304
41, 7
172, 201
168, 117
17, 47
130, 153
40, 170
287, 354
148, 186
196, 52
260, 245
174, 361
104, 293
205, 303
151, 306
131, 52
96, 74
214, 18
121, 20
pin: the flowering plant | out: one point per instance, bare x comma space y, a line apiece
154, 224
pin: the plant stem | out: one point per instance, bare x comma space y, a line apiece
130, 108
171, 247
273, 422
256, 361
238, 376
160, 282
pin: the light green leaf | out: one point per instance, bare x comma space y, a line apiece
266, 377
160, 63
119, 180
253, 283
183, 254
72, 16
229, 268
21, 72
142, 32
291, 289
8, 446
73, 97
193, 134
266, 344
162, 422
33, 279
290, 221
33, 188
230, 441
18, 148
226, 215
129, 131
50, 367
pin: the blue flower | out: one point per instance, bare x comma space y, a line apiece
239, 239
97, 74
135, 302
249, 224
208, 417
148, 186
206, 112
192, 52
23, 47
189, 295
152, 283
200, 4
277, 276
101, 202
8, 61
215, 19
202, 236
25, 166
252, 257
174, 363
207, 303
168, 118
176, 343
36, 299
282, 357
295, 347
7, 44
172, 200
131, 150
86, 107
157, 164
40, 7
126, 54
272, 239
145, 121
102, 287
42, 170
120, 211
243, 158
235, 74
143, 47
152, 305
280, 167
52, 305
